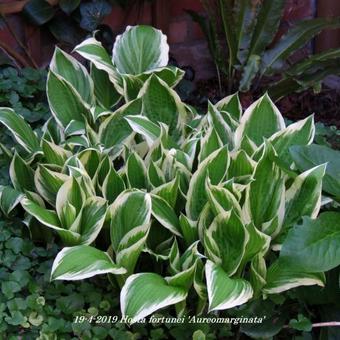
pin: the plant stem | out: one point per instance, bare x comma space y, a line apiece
321, 324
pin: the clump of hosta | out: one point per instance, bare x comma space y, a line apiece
174, 206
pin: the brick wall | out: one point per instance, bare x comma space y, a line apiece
187, 44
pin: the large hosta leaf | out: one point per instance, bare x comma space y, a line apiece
22, 132
261, 120
145, 293
313, 246
140, 49
81, 262
225, 292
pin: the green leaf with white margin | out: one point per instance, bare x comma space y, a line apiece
160, 103
209, 143
65, 103
21, 174
136, 172
50, 219
91, 219
115, 129
258, 274
113, 185
306, 157
304, 244
48, 183
232, 105
55, 154
169, 191
240, 164
265, 195
231, 238
146, 293
155, 175
261, 120
92, 50
299, 133
281, 278
72, 71
123, 220
82, 262
303, 198
142, 125
21, 131
224, 292
216, 166
165, 214
139, 49
104, 90
9, 199
189, 229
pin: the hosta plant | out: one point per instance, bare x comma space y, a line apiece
203, 213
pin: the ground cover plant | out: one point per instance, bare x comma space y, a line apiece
186, 214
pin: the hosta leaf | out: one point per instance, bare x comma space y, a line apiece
189, 230
48, 183
136, 172
231, 238
216, 165
160, 103
113, 185
55, 154
90, 158
142, 125
240, 165
210, 143
182, 279
265, 194
140, 49
72, 71
21, 174
306, 157
169, 191
258, 274
299, 133
224, 292
65, 103
104, 90
9, 199
304, 243
21, 131
261, 120
281, 278
145, 293
303, 198
232, 105
82, 262
165, 214
122, 220
155, 175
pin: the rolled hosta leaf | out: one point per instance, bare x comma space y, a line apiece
303, 198
281, 278
216, 165
140, 49
21, 174
9, 199
261, 120
304, 243
55, 154
136, 172
225, 292
82, 262
210, 143
232, 105
306, 157
113, 185
21, 131
145, 293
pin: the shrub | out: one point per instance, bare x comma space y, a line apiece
206, 213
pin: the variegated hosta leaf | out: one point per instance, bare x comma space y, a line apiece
216, 166
136, 172
90, 159
113, 185
303, 198
145, 293
81, 262
232, 105
140, 49
9, 199
225, 292
21, 131
130, 221
21, 174
261, 120
281, 278
240, 165
230, 237
210, 143
54, 154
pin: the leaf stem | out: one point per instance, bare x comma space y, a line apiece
321, 324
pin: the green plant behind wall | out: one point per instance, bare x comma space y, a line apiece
241, 39
195, 214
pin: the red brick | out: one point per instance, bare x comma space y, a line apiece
178, 6
196, 31
178, 32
